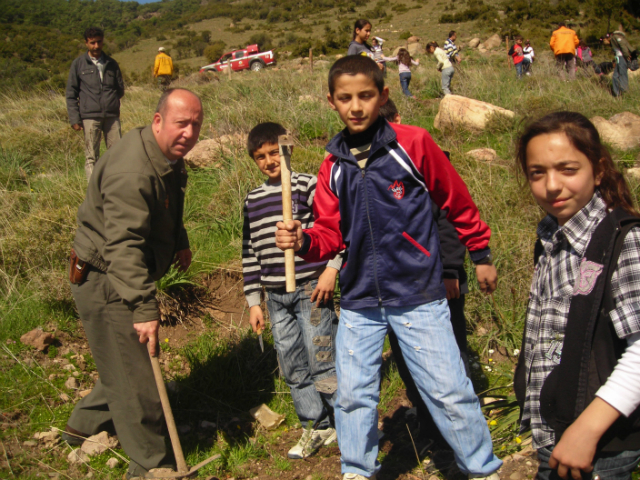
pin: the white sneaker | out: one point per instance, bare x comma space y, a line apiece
355, 476
493, 476
311, 441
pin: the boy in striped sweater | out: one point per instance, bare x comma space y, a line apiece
303, 323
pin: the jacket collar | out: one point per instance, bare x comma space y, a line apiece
104, 56
384, 135
157, 158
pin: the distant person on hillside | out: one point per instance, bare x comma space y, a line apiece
361, 33
163, 68
94, 90
563, 43
516, 52
622, 51
451, 49
376, 48
404, 68
444, 66
529, 55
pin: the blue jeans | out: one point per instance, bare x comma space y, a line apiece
607, 465
519, 69
427, 342
447, 75
305, 340
405, 79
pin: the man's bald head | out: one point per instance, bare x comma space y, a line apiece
177, 122
179, 93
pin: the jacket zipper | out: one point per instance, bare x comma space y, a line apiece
373, 243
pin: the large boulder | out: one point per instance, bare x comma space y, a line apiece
473, 43
414, 48
622, 130
492, 42
38, 338
209, 153
456, 111
413, 39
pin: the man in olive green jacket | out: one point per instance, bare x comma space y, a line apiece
130, 231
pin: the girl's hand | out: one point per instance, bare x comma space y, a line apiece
577, 447
326, 286
256, 318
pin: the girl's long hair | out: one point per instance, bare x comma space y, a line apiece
404, 57
359, 25
431, 44
585, 138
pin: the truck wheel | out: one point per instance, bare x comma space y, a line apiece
257, 66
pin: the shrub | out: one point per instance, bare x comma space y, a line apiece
214, 51
263, 40
405, 35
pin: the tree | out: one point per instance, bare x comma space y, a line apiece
606, 9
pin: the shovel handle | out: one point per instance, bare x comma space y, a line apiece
168, 415
287, 214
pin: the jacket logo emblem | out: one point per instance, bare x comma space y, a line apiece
589, 272
398, 189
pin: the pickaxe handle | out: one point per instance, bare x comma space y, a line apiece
285, 143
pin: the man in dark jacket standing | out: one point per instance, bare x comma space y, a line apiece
130, 231
623, 51
94, 90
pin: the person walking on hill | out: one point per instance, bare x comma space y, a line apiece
564, 42
163, 68
444, 66
94, 89
451, 49
622, 50
130, 232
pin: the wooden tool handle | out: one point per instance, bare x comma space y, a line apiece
168, 415
287, 214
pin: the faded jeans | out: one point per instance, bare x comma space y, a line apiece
426, 338
93, 129
620, 80
405, 79
447, 75
607, 465
305, 340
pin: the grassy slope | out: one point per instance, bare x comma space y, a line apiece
42, 184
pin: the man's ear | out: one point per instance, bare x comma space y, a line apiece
156, 122
330, 100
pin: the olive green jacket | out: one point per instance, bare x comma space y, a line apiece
130, 223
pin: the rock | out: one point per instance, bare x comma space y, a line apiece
481, 331
98, 444
492, 42
473, 43
209, 152
414, 48
113, 462
207, 424
481, 49
38, 339
77, 456
267, 417
456, 111
89, 475
29, 443
622, 130
515, 476
339, 56
47, 437
71, 383
413, 39
633, 172
64, 397
84, 393
321, 63
70, 367
483, 154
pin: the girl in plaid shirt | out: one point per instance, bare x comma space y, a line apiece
573, 178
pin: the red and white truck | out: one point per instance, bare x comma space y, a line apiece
248, 57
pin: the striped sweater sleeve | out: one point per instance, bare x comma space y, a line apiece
250, 265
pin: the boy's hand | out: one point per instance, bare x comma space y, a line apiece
289, 235
487, 276
326, 286
453, 288
256, 318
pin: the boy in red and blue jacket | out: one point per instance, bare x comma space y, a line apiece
373, 199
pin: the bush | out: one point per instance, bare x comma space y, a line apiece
477, 9
263, 40
405, 35
214, 51
379, 11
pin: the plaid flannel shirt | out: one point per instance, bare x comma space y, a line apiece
552, 289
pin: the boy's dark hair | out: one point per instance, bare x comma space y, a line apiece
93, 32
389, 111
518, 37
353, 65
359, 25
267, 132
451, 33
584, 137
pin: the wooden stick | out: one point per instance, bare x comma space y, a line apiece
285, 142
311, 58
168, 415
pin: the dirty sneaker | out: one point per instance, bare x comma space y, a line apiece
355, 476
311, 441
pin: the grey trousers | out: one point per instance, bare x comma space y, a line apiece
126, 393
566, 61
620, 80
447, 75
93, 129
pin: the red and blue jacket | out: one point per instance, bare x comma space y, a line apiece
382, 216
